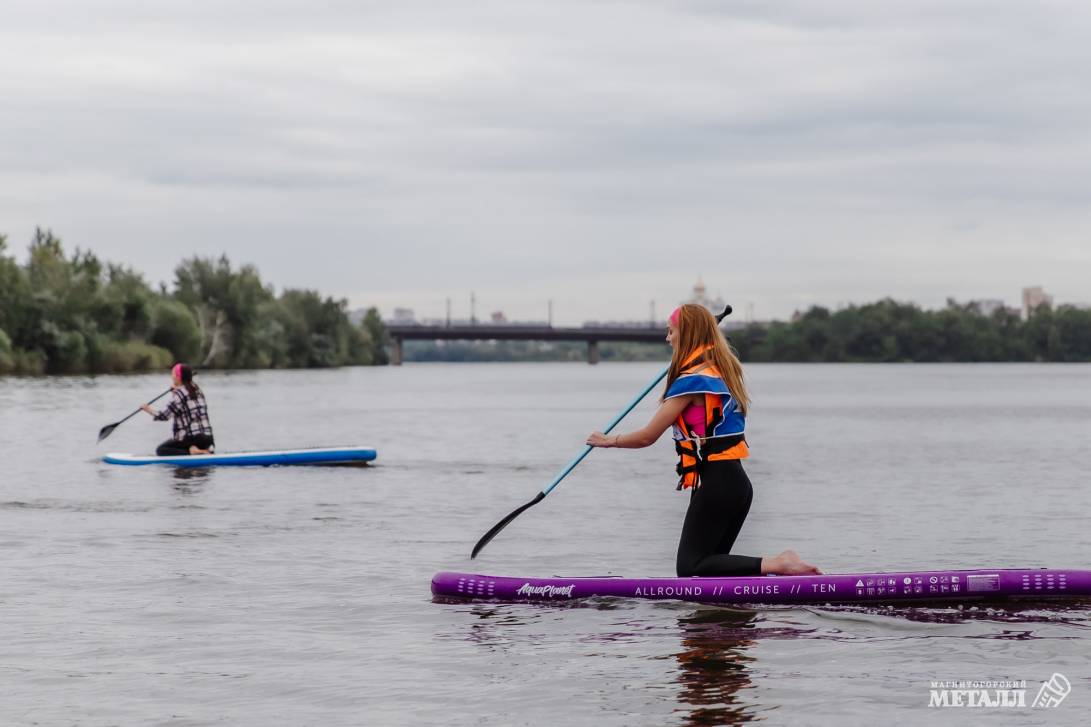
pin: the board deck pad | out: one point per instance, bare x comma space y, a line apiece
893, 587
312, 456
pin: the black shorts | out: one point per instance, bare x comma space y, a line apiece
177, 447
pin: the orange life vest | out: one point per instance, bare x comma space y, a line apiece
717, 444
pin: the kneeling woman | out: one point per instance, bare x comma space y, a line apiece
189, 414
706, 401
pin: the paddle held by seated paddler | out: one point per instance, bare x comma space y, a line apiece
188, 413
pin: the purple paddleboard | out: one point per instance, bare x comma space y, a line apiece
940, 585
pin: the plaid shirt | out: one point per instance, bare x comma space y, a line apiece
189, 414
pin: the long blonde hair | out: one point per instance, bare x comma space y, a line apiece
697, 328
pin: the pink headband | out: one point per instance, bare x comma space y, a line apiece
674, 316
176, 372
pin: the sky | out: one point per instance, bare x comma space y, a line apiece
602, 155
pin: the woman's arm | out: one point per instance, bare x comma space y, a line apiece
664, 416
167, 412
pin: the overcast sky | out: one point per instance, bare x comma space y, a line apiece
600, 154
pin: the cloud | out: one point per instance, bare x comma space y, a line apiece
600, 154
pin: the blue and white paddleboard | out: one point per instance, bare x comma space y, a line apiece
318, 455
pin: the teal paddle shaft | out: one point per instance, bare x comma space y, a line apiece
609, 427
572, 465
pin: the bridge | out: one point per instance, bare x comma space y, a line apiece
401, 332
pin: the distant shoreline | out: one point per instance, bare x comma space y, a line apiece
74, 314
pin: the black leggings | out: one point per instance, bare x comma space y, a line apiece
717, 510
177, 447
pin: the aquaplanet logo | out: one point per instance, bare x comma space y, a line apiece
549, 591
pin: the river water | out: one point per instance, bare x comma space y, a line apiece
300, 596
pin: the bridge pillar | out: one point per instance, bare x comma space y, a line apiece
396, 358
592, 352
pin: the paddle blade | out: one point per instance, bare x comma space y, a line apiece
106, 431
503, 524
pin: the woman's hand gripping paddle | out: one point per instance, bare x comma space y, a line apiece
572, 465
109, 428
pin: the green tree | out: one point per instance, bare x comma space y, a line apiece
15, 295
228, 305
7, 359
1073, 327
174, 328
317, 331
377, 337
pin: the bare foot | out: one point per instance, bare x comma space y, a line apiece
788, 563
193, 449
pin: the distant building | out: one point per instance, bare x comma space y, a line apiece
403, 316
497, 318
989, 306
1034, 297
700, 297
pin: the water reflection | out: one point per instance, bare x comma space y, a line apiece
714, 665
190, 480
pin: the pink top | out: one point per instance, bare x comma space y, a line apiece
694, 416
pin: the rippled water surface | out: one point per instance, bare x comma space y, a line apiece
258, 596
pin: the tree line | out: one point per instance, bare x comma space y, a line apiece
75, 314
890, 331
